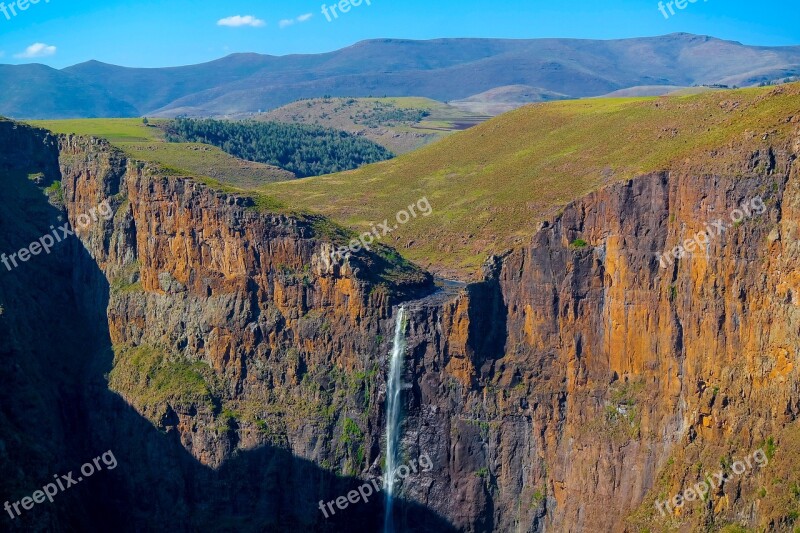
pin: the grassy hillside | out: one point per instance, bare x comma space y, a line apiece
503, 99
147, 143
399, 124
492, 185
114, 130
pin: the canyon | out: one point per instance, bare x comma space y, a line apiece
240, 380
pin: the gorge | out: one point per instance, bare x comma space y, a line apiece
239, 379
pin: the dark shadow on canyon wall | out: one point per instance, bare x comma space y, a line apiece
56, 412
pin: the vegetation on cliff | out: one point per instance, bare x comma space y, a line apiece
147, 377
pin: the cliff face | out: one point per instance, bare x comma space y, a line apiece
572, 387
238, 354
244, 305
604, 381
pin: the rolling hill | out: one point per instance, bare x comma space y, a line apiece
399, 124
442, 69
502, 99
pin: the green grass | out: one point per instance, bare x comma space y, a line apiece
126, 280
55, 192
769, 448
491, 186
146, 143
735, 528
148, 378
267, 203
351, 432
115, 130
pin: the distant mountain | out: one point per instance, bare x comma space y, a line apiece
442, 69
148, 89
38, 91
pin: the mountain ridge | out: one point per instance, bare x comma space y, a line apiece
440, 69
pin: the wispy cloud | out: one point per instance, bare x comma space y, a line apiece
239, 20
37, 50
288, 22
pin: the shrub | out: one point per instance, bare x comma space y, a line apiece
54, 192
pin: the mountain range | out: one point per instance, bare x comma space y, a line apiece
442, 69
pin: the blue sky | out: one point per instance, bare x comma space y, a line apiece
153, 33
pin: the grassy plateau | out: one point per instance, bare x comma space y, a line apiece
147, 143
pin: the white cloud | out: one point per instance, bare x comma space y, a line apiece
285, 23
239, 20
37, 50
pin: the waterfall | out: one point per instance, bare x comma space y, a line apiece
393, 387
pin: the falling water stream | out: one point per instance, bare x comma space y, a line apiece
393, 387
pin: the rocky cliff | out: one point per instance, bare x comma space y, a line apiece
576, 384
600, 382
